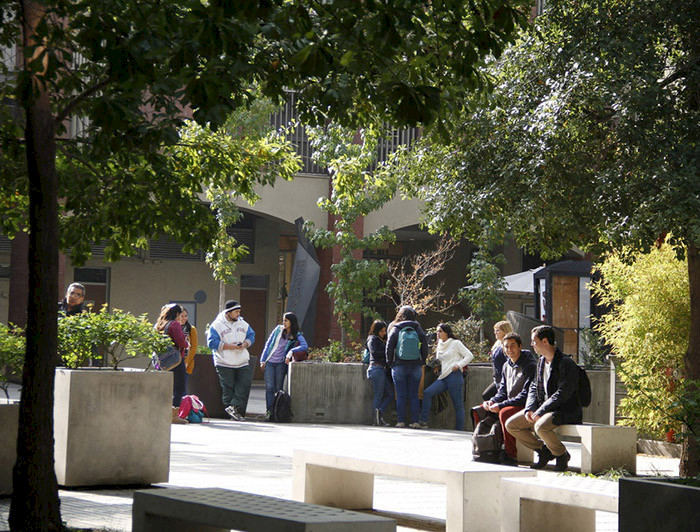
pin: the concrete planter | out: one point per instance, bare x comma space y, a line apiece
9, 421
655, 504
112, 427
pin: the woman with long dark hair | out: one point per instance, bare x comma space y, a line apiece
190, 332
283, 342
168, 323
378, 372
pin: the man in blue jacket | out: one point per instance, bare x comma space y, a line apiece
552, 400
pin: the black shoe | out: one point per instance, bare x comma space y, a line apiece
507, 460
562, 462
544, 455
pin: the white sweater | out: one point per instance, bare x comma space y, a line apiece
452, 353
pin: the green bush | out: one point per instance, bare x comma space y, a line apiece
111, 335
648, 328
335, 352
12, 347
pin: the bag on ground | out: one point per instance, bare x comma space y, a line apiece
281, 408
487, 440
408, 344
192, 409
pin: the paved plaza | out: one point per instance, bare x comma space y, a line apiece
256, 457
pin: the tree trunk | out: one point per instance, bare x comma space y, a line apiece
690, 450
19, 280
35, 503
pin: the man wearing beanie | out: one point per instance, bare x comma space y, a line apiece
229, 338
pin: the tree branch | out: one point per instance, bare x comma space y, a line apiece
68, 109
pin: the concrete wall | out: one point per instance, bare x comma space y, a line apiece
340, 393
112, 427
9, 421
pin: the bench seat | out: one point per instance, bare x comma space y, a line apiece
603, 447
473, 488
554, 502
217, 510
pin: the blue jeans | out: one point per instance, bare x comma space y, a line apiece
453, 383
406, 381
381, 385
274, 380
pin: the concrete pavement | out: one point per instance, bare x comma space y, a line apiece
256, 457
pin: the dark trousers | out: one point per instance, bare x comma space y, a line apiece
235, 386
179, 382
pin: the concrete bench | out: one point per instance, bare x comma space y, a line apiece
218, 510
553, 502
603, 447
473, 489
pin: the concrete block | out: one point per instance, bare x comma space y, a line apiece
9, 421
112, 427
216, 510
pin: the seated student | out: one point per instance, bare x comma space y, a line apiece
552, 400
518, 373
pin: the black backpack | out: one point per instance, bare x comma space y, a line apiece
584, 387
487, 440
281, 408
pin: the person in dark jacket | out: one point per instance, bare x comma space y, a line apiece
378, 372
406, 370
551, 400
498, 358
518, 374
73, 302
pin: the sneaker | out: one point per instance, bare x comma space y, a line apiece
268, 415
231, 411
401, 425
544, 456
562, 462
415, 425
423, 424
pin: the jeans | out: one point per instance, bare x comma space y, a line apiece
274, 380
381, 385
235, 386
406, 381
454, 384
179, 382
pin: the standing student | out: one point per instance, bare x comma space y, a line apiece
283, 342
498, 358
169, 323
453, 356
406, 351
229, 338
190, 332
378, 372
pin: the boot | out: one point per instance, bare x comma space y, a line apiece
562, 462
544, 455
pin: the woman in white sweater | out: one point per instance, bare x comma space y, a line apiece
453, 357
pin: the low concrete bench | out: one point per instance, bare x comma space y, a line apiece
473, 489
553, 502
218, 510
603, 447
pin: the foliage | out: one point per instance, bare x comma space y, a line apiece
356, 190
112, 335
12, 346
484, 294
647, 328
594, 350
412, 274
336, 352
468, 331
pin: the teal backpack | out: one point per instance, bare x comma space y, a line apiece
408, 345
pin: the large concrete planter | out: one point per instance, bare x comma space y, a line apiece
655, 504
112, 427
9, 423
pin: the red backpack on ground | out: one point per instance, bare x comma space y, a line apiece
192, 409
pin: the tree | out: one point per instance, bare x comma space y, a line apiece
590, 138
412, 274
357, 189
130, 71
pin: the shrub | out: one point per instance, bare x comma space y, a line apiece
648, 329
112, 335
335, 352
12, 347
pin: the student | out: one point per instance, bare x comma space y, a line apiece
283, 341
190, 332
406, 351
551, 400
453, 357
229, 338
498, 358
378, 372
169, 323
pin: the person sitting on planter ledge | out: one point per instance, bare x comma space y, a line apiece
518, 373
229, 338
552, 400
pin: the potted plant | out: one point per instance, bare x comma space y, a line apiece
111, 426
659, 504
12, 346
